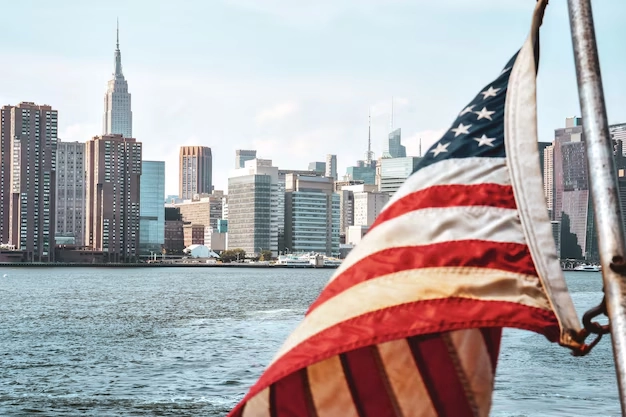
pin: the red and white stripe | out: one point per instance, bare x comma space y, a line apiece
417, 306
410, 324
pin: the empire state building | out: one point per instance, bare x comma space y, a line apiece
118, 118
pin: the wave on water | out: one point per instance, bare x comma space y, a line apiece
280, 312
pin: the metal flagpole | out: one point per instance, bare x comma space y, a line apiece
602, 180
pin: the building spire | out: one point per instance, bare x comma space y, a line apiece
391, 113
118, 55
369, 132
369, 156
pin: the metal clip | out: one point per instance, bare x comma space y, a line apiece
593, 327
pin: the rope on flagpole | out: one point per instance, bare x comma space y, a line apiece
602, 181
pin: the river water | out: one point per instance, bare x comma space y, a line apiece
187, 342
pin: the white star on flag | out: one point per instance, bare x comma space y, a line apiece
505, 70
440, 148
484, 140
462, 129
484, 114
468, 109
490, 92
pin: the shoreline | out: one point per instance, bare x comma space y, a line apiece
173, 265
154, 265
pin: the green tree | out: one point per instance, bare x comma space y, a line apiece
266, 255
231, 255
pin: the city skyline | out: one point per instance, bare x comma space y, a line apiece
258, 91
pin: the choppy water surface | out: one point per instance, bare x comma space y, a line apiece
186, 342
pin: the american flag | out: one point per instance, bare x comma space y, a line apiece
410, 324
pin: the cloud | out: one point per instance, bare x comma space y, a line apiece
277, 112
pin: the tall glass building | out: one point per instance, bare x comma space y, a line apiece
312, 215
152, 207
396, 149
256, 213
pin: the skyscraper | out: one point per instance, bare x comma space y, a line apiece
118, 117
396, 149
5, 172
70, 191
243, 155
195, 171
32, 213
572, 204
113, 167
548, 177
256, 208
312, 214
331, 166
152, 207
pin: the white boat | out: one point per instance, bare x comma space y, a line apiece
588, 268
292, 261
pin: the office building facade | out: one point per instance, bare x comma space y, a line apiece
312, 215
395, 171
572, 203
256, 201
174, 239
113, 171
195, 174
152, 207
367, 206
70, 191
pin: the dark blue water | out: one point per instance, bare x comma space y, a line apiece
187, 342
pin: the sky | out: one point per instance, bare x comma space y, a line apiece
294, 80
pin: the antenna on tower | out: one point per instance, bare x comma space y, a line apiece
369, 136
117, 44
392, 113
